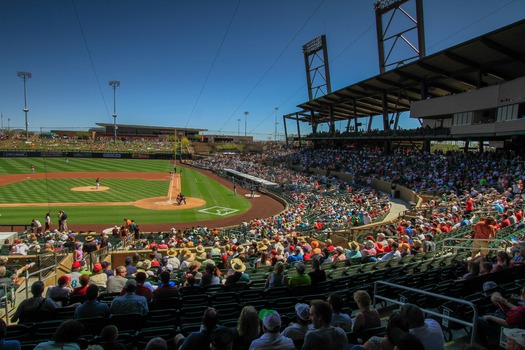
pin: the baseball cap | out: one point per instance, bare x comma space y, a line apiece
518, 335
270, 318
489, 286
303, 311
300, 266
77, 265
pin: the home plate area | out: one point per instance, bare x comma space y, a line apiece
221, 211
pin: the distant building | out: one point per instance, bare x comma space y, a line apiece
145, 131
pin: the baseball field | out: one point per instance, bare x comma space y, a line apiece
142, 190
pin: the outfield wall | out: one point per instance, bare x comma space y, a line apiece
54, 154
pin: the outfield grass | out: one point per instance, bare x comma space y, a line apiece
59, 165
194, 184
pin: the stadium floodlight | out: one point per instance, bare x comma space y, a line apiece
239, 127
25, 76
276, 123
246, 122
115, 84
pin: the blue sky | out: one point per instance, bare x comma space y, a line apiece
200, 63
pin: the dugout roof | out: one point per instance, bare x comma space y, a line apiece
487, 60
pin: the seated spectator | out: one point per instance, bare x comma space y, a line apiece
339, 319
166, 290
98, 277
109, 336
130, 268
24, 311
66, 337
271, 338
406, 341
353, 250
395, 320
301, 278
248, 328
62, 291
82, 288
427, 330
141, 290
7, 344
130, 303
367, 317
202, 338
157, 343
297, 331
238, 275
323, 336
392, 254
117, 282
105, 268
508, 315
369, 251
92, 307
317, 274
222, 338
210, 276
502, 261
277, 278
472, 268
515, 339
518, 259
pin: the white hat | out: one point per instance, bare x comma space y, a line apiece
518, 335
272, 321
302, 311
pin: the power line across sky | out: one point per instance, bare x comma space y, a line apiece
199, 64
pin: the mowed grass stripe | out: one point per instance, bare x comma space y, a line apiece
59, 191
58, 165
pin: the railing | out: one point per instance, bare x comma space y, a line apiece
455, 247
98, 256
471, 324
5, 300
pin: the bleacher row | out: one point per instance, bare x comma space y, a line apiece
427, 271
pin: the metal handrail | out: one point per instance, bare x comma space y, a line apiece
5, 301
456, 247
439, 296
38, 272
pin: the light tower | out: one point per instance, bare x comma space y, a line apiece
276, 123
239, 127
115, 84
246, 122
25, 76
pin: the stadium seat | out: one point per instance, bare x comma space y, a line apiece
145, 335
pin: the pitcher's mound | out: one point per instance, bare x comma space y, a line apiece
90, 188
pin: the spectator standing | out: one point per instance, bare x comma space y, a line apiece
482, 233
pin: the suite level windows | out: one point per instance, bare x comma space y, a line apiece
464, 118
509, 112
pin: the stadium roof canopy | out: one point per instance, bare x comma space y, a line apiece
487, 60
149, 127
